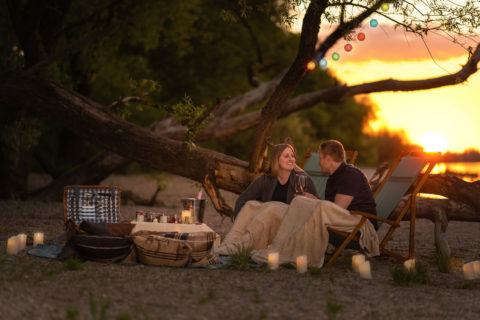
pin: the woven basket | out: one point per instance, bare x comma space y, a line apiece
91, 203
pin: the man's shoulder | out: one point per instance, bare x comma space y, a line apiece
353, 171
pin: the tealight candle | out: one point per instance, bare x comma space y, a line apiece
22, 241
12, 245
37, 238
356, 260
468, 271
364, 270
476, 268
409, 264
302, 264
186, 214
273, 260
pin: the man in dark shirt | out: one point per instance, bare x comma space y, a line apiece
347, 186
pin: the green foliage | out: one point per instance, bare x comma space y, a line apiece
98, 313
444, 262
209, 297
404, 276
314, 271
288, 265
71, 313
333, 308
240, 258
73, 264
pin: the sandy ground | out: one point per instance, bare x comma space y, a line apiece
36, 288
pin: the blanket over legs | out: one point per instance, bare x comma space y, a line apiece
293, 230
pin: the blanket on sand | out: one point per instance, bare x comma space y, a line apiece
293, 230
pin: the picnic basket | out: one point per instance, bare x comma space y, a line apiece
92, 203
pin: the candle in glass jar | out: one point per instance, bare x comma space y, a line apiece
468, 271
140, 216
356, 260
12, 245
163, 218
302, 264
364, 270
409, 264
37, 238
273, 261
22, 241
186, 214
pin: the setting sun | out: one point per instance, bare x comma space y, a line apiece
433, 142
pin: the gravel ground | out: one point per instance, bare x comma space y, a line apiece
36, 288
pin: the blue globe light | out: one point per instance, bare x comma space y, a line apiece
373, 23
322, 63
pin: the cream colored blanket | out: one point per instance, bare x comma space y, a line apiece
293, 230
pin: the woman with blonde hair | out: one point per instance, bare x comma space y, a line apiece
278, 182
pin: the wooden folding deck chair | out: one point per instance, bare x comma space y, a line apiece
313, 169
405, 177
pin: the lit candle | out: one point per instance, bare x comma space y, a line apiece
273, 260
476, 268
302, 264
468, 271
22, 241
364, 270
12, 245
186, 214
356, 260
409, 264
163, 219
37, 238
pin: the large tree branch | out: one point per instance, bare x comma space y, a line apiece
273, 108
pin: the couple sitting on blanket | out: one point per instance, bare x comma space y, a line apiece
272, 217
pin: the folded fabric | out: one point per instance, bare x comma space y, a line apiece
45, 251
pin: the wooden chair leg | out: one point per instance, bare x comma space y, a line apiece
413, 210
345, 242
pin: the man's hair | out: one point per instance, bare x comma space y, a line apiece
275, 155
334, 149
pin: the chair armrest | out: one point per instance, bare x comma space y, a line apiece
369, 215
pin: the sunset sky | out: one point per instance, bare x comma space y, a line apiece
387, 53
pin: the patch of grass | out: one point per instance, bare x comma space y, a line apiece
71, 313
333, 308
466, 285
444, 262
331, 277
210, 296
104, 304
288, 265
239, 259
73, 264
123, 316
404, 276
51, 272
314, 271
256, 296
263, 315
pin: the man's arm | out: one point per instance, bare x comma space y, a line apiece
343, 200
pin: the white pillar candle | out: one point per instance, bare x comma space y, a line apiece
476, 268
37, 238
12, 245
364, 270
409, 264
468, 271
273, 261
22, 241
302, 264
356, 260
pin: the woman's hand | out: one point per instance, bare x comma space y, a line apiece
308, 195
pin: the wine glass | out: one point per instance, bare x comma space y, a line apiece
300, 181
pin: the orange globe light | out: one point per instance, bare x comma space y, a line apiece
311, 66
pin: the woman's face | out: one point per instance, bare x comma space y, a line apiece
286, 161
